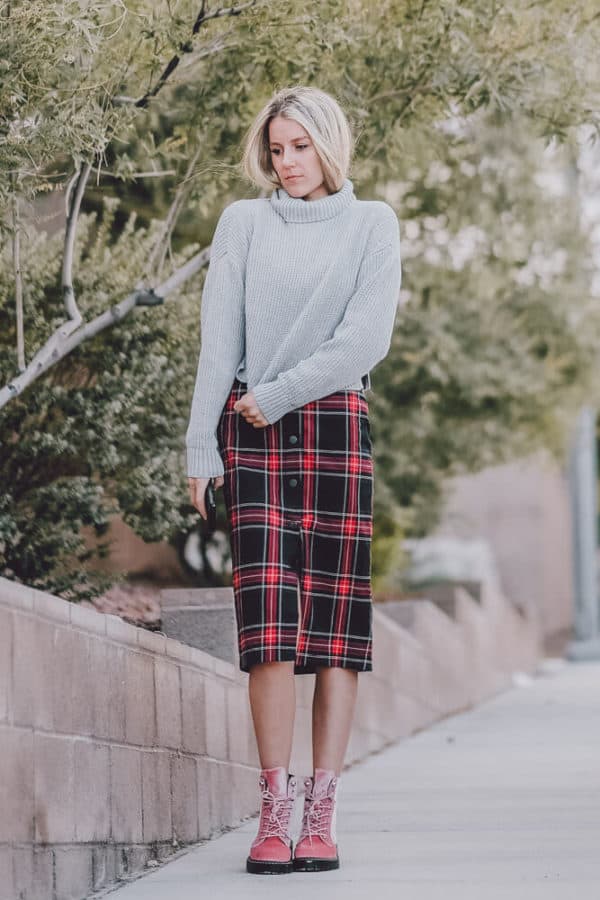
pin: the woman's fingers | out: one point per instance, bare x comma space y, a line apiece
250, 410
197, 488
256, 418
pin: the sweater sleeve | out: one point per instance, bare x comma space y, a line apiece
222, 344
361, 339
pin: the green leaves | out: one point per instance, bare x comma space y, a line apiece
447, 100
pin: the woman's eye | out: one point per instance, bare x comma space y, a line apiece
276, 152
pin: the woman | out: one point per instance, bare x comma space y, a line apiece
298, 305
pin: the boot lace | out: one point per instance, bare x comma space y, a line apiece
274, 817
316, 821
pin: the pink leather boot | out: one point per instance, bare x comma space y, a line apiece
316, 849
271, 850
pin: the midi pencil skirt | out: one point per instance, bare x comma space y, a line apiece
299, 501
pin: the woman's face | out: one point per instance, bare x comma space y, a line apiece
294, 154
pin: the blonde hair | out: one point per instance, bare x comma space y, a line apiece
324, 120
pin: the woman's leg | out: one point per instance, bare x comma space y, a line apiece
272, 693
334, 701
333, 710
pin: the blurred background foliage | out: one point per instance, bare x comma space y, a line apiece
468, 119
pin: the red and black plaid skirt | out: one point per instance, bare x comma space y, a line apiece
299, 501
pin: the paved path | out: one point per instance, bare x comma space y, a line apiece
502, 801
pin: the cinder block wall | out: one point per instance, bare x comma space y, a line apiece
119, 746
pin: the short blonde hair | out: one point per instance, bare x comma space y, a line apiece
324, 120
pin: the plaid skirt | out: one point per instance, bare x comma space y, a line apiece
299, 501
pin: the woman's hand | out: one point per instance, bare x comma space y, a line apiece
250, 410
197, 489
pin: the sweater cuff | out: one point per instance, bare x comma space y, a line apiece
204, 462
272, 400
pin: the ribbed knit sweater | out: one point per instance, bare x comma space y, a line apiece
299, 301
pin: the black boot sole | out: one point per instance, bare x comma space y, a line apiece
314, 864
265, 867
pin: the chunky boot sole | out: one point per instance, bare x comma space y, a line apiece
268, 867
314, 864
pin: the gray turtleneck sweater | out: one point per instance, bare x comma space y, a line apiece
299, 301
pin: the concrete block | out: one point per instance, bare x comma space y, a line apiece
437, 633
16, 785
368, 701
140, 703
51, 607
126, 795
73, 872
246, 793
121, 863
216, 718
136, 858
6, 642
120, 631
253, 757
405, 714
177, 650
7, 885
116, 690
358, 745
184, 791
104, 866
65, 681
21, 877
156, 795
164, 850
33, 871
41, 677
86, 619
14, 594
238, 724
54, 789
225, 669
152, 641
204, 770
410, 666
43, 873
168, 702
192, 711
82, 683
221, 796
201, 659
388, 634
32, 672
101, 700
92, 788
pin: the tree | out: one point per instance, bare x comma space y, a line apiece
100, 92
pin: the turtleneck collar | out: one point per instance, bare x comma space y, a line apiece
295, 209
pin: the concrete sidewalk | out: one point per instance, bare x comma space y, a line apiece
502, 801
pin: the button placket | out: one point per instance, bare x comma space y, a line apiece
292, 480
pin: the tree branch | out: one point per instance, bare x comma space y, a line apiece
74, 331
157, 257
75, 192
188, 47
70, 334
16, 248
